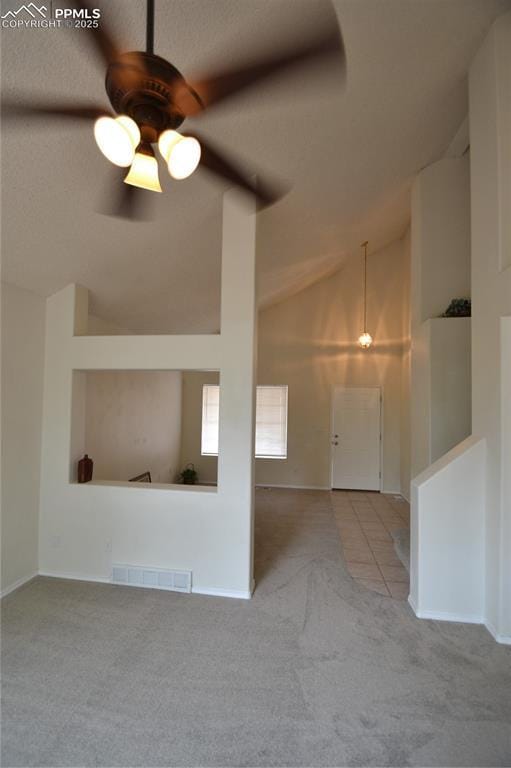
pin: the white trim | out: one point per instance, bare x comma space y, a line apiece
459, 618
445, 615
295, 487
17, 584
239, 594
76, 577
504, 639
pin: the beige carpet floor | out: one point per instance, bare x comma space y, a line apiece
315, 670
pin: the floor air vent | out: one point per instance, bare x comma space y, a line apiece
134, 576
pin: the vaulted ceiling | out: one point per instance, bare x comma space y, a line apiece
349, 151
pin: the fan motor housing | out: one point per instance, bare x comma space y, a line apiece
141, 85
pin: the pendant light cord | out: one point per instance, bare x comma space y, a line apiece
364, 246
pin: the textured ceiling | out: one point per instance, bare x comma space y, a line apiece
350, 153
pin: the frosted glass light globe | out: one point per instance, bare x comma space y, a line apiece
117, 138
181, 153
144, 173
184, 157
166, 141
365, 340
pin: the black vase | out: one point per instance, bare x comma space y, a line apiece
85, 467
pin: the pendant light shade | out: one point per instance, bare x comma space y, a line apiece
181, 153
117, 139
144, 170
365, 339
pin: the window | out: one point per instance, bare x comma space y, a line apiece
271, 421
210, 411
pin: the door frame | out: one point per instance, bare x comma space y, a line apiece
331, 436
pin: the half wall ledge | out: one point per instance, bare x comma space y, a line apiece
150, 486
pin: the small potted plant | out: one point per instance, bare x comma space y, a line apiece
189, 476
458, 308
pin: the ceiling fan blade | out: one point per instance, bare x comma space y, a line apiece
318, 47
124, 201
101, 37
12, 109
218, 163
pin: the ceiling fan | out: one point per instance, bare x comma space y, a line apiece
150, 99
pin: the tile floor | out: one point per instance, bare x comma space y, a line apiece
364, 520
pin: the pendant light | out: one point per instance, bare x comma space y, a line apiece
365, 339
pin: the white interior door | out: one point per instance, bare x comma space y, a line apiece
356, 430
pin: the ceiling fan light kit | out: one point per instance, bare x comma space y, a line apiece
150, 99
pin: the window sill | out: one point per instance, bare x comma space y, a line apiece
271, 458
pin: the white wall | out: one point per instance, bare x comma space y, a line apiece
450, 383
465, 499
133, 424
505, 390
440, 271
490, 129
406, 373
309, 342
441, 386
22, 397
447, 536
191, 433
85, 528
440, 237
97, 326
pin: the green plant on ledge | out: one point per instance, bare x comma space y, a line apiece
189, 476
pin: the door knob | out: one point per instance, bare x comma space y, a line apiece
335, 442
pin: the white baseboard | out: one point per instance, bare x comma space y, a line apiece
460, 618
504, 639
239, 594
295, 487
411, 603
467, 618
212, 591
76, 577
17, 584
